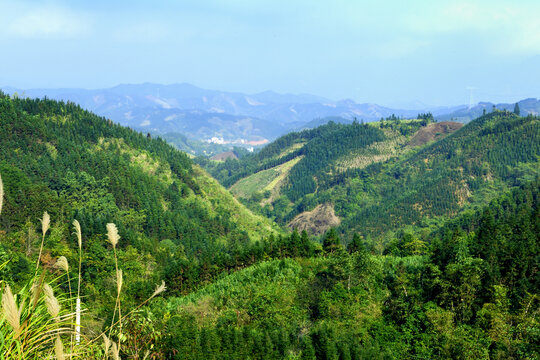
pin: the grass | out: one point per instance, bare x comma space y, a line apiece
36, 323
392, 146
291, 148
247, 186
266, 180
216, 196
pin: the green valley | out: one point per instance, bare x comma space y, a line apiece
269, 180
381, 176
416, 227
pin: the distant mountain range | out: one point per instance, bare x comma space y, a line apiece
527, 106
232, 117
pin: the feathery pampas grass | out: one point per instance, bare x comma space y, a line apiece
59, 349
10, 310
62, 263
112, 234
106, 343
78, 232
115, 351
53, 306
159, 289
45, 224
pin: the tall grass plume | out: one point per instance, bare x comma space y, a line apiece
78, 232
53, 306
45, 224
112, 234
59, 349
62, 264
10, 310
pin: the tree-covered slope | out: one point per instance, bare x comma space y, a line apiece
58, 158
469, 167
470, 291
381, 176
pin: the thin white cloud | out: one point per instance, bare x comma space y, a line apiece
29, 21
504, 27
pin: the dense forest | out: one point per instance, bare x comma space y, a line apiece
74, 165
382, 176
449, 281
462, 295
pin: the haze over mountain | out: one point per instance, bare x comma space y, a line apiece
526, 106
237, 119
203, 114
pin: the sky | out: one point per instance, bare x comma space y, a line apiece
394, 53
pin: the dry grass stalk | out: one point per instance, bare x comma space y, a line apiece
36, 292
11, 312
78, 321
59, 349
45, 224
62, 263
112, 234
115, 351
53, 306
78, 232
119, 281
106, 343
146, 354
161, 288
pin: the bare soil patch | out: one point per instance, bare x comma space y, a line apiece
224, 156
433, 132
316, 221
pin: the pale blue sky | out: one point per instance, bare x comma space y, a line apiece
387, 52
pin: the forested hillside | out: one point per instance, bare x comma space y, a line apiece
58, 158
470, 292
235, 285
469, 167
379, 177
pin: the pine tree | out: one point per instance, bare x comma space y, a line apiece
516, 109
308, 351
305, 244
356, 244
331, 240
